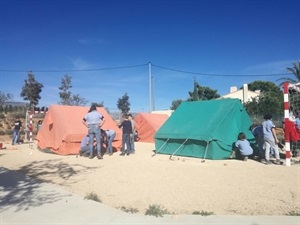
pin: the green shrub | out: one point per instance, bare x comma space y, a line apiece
129, 210
156, 210
92, 196
202, 213
293, 213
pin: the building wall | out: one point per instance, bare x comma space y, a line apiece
243, 94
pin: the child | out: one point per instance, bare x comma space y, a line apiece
126, 135
242, 148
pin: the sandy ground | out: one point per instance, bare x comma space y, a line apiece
181, 185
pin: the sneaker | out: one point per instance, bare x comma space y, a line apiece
245, 158
80, 153
99, 157
278, 162
90, 157
110, 154
263, 161
268, 162
122, 154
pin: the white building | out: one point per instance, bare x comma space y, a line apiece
243, 94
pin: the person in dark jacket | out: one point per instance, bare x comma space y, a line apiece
126, 135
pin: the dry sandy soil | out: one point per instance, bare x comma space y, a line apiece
181, 185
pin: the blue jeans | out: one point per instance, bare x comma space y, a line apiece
125, 140
85, 149
109, 148
16, 135
132, 143
94, 132
271, 144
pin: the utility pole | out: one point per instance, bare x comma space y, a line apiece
150, 88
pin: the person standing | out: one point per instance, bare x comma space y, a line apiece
257, 132
94, 120
270, 139
126, 135
16, 133
132, 139
109, 135
39, 125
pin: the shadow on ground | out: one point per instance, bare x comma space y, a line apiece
19, 190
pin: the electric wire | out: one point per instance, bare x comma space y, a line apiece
146, 64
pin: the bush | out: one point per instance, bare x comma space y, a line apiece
203, 213
21, 115
156, 210
9, 132
293, 213
129, 210
92, 196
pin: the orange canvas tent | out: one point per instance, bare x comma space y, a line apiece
62, 129
147, 124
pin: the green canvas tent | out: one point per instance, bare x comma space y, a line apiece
203, 129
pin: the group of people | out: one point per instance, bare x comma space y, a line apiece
16, 137
266, 139
128, 136
97, 136
106, 137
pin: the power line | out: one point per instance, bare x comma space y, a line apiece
77, 70
219, 75
146, 64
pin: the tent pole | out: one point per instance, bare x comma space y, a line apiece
160, 147
207, 143
178, 148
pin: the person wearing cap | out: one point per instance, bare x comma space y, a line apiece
270, 139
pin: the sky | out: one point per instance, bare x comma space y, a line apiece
115, 47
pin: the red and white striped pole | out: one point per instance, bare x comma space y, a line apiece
31, 113
30, 125
286, 118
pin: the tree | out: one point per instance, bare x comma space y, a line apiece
123, 104
295, 70
175, 104
66, 96
199, 93
31, 90
78, 100
202, 93
100, 104
4, 97
270, 99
